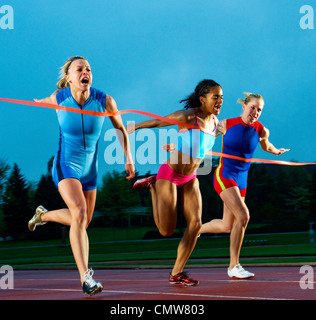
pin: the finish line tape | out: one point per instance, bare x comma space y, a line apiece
285, 163
152, 115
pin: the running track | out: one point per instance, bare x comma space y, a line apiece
270, 283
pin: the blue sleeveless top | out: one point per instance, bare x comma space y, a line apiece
79, 135
240, 140
80, 131
196, 142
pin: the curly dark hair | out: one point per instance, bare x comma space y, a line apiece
203, 87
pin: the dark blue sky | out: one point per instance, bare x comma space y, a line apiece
150, 54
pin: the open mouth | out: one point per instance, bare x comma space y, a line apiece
85, 80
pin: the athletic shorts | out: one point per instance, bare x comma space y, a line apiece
225, 178
166, 173
63, 171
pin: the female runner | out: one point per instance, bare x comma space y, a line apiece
240, 138
75, 163
178, 174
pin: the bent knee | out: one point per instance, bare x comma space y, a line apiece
79, 215
166, 232
243, 217
226, 229
194, 227
88, 222
246, 219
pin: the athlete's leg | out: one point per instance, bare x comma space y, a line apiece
63, 216
71, 192
152, 189
164, 200
90, 197
223, 225
191, 202
236, 204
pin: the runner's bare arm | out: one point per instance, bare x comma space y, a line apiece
51, 99
180, 116
111, 107
266, 145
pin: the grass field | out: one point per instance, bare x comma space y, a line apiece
122, 248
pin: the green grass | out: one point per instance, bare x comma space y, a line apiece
123, 247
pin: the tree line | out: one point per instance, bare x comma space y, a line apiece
280, 199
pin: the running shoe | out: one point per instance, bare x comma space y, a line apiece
238, 272
144, 183
89, 285
183, 279
36, 219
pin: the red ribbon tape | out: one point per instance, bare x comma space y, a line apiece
152, 115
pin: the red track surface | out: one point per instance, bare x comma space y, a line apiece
270, 283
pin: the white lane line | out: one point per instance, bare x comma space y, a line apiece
209, 296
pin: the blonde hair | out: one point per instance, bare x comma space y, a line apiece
62, 83
249, 96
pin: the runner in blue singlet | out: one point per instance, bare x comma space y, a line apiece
79, 137
75, 164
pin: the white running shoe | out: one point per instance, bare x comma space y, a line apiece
90, 286
238, 272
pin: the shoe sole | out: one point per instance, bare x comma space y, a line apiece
31, 226
139, 185
184, 284
136, 185
97, 290
247, 278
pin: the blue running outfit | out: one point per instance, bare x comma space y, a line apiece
77, 154
239, 140
196, 142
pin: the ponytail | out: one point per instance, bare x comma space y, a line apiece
249, 96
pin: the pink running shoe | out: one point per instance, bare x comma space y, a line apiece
183, 279
144, 183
